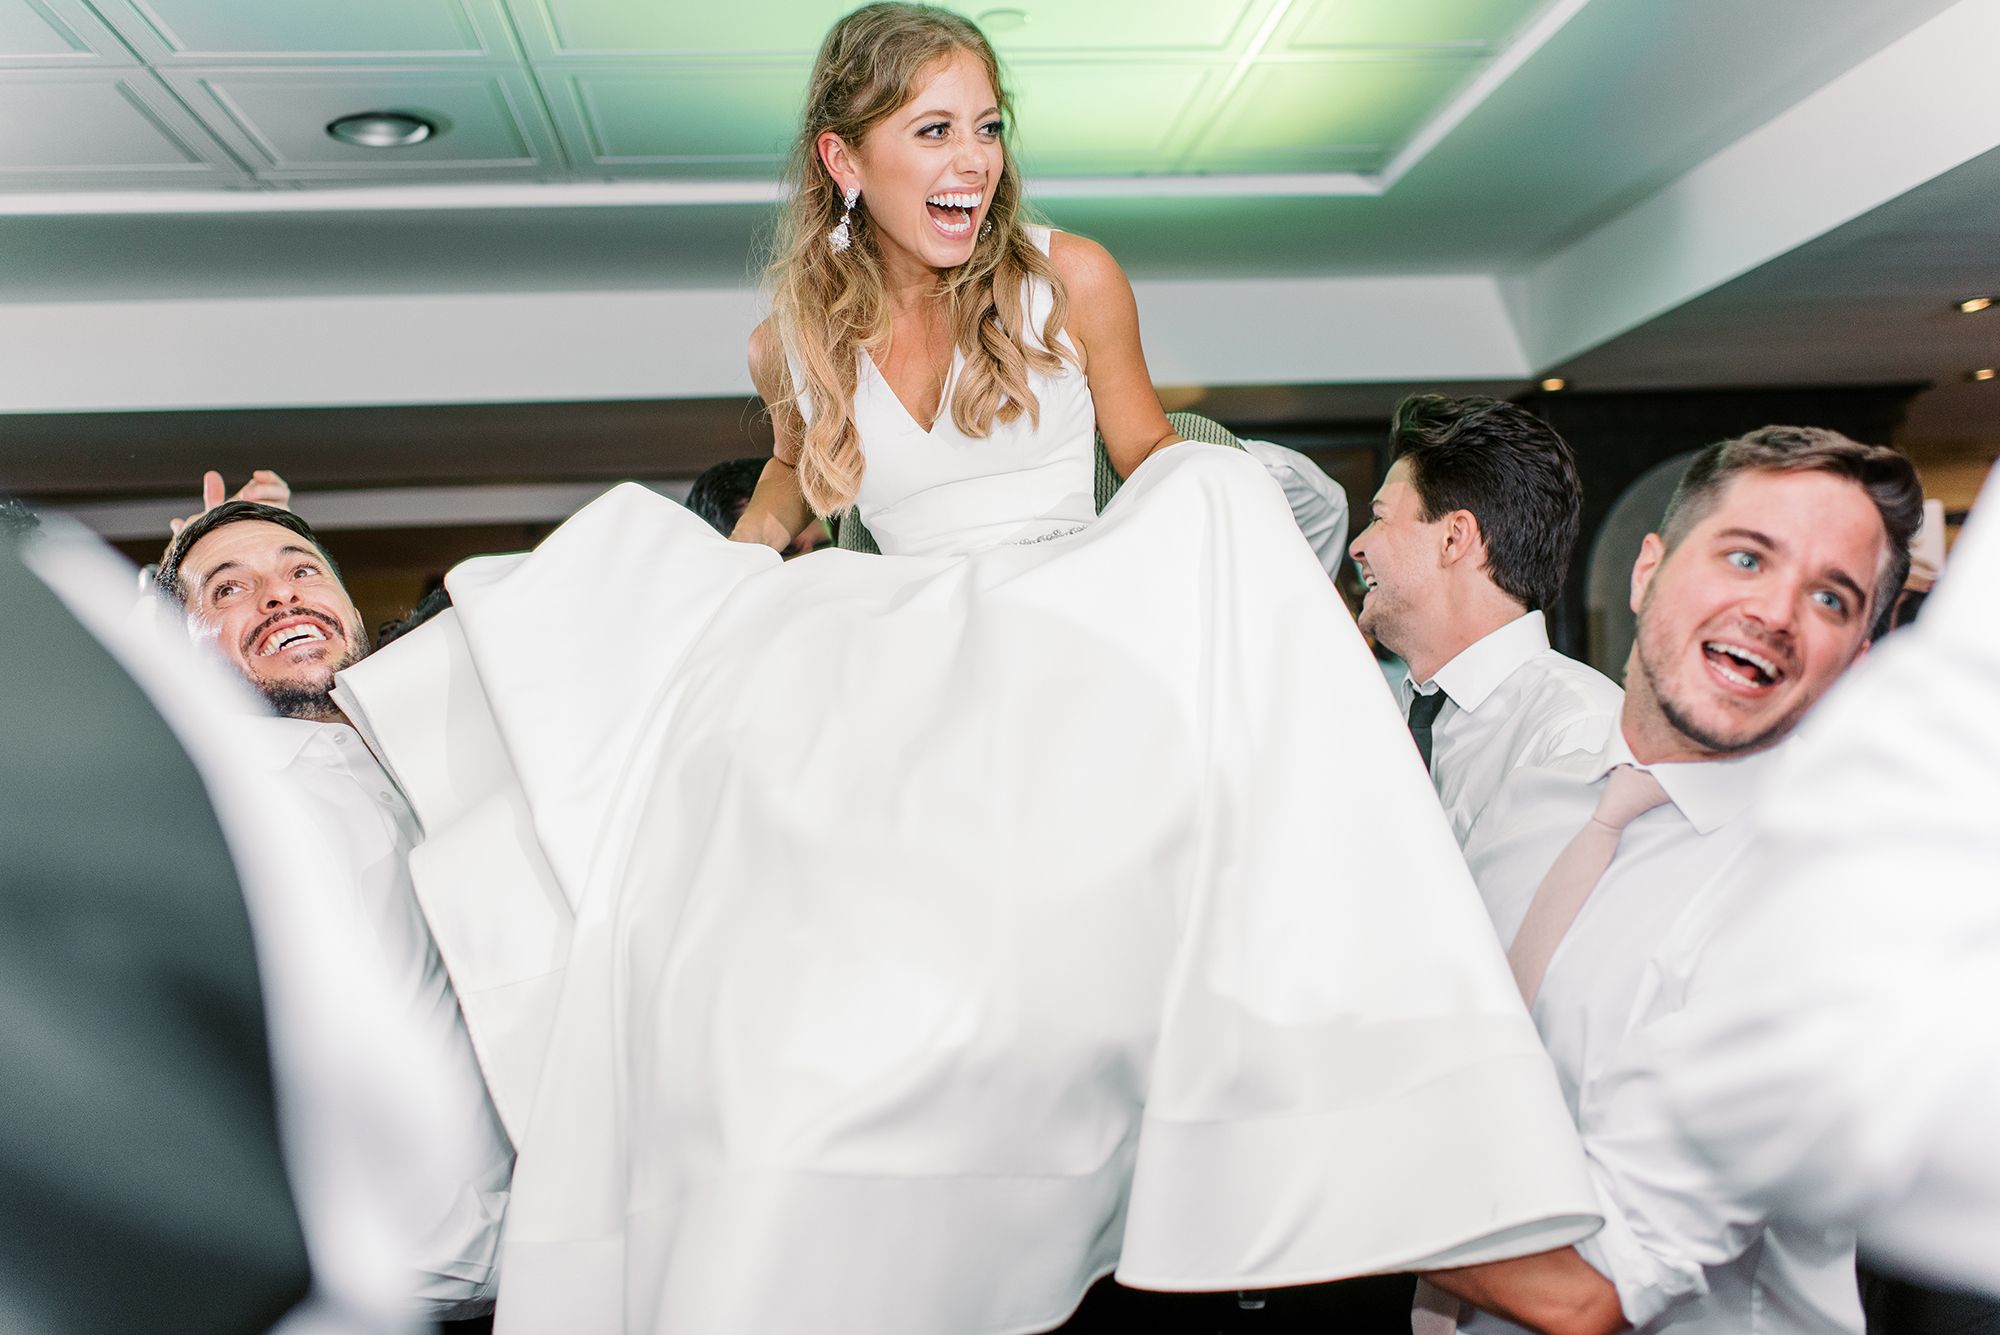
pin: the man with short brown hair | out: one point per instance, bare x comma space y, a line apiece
1774, 567
1467, 544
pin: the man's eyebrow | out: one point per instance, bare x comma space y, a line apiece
1761, 539
1836, 575
209, 577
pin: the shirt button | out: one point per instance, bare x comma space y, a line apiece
385, 797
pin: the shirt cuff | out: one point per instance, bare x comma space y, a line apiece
1648, 1283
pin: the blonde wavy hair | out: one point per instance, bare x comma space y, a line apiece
828, 307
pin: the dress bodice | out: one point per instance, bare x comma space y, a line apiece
940, 492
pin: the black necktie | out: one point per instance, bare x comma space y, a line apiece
1423, 712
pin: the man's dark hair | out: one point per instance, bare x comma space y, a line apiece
167, 579
434, 601
1889, 479
1510, 470
722, 491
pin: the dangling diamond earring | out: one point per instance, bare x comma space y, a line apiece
841, 237
986, 228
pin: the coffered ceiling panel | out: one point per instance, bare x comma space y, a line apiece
178, 31
53, 33
1334, 116
1177, 26
1107, 119
551, 28
690, 119
490, 122
1333, 24
104, 123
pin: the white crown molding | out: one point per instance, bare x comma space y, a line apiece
628, 194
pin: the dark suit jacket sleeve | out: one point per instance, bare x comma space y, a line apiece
141, 1184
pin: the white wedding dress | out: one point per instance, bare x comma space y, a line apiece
894, 944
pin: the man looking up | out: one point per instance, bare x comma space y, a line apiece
254, 581
1470, 536
1778, 560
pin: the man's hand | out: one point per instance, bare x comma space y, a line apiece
1557, 1292
264, 487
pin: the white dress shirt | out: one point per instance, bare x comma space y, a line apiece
1511, 701
1837, 1057
1679, 1260
1319, 504
366, 832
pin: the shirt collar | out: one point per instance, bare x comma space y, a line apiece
276, 743
1481, 666
1710, 793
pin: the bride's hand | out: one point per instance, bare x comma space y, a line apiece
761, 526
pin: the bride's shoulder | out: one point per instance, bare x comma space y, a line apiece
1085, 267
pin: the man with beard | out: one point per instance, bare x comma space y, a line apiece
1778, 560
254, 581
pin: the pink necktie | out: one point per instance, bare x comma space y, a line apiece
1628, 791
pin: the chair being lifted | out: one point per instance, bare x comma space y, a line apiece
852, 535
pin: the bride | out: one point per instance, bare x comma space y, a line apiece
896, 944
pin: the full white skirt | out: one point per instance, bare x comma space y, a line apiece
920, 938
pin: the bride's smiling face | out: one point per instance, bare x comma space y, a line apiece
927, 171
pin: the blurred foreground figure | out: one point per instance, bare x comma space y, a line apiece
169, 1096
141, 1184
1854, 1076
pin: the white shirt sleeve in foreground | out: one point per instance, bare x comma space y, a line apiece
368, 1146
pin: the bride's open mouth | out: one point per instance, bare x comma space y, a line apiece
951, 212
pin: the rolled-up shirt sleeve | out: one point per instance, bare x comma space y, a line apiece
1667, 1216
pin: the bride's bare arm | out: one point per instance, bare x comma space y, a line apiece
777, 512
1103, 322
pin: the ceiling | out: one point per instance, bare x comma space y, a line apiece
116, 92
1873, 300
1239, 138
1319, 201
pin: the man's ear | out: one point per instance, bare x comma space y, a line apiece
838, 160
1462, 539
1651, 552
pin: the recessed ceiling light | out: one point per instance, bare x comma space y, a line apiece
1003, 20
1973, 305
1983, 373
381, 129
1555, 384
